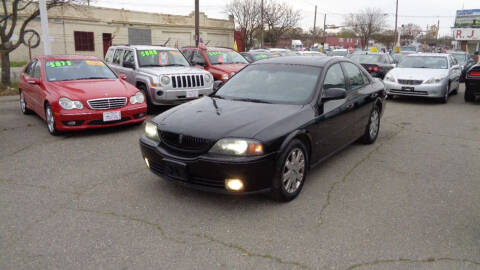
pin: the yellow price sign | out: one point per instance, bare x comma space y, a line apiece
94, 63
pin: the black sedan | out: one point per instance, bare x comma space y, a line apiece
472, 83
377, 64
266, 127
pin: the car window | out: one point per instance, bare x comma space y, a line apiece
109, 55
354, 75
71, 70
161, 58
30, 67
198, 58
225, 57
188, 54
117, 56
128, 57
334, 78
36, 70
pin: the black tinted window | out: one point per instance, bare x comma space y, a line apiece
198, 58
117, 56
128, 57
354, 75
36, 70
334, 78
29, 69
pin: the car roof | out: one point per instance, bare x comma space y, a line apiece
143, 47
428, 54
219, 49
67, 57
317, 61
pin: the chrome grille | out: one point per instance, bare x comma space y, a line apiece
107, 103
187, 81
410, 82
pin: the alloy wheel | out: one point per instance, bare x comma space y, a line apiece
293, 171
374, 123
50, 119
23, 105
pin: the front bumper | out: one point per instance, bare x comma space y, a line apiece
421, 90
177, 96
88, 119
209, 173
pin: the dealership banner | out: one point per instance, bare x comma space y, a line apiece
466, 33
468, 18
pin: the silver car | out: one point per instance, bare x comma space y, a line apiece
424, 75
162, 73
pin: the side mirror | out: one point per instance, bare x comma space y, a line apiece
334, 94
33, 81
217, 85
129, 65
123, 76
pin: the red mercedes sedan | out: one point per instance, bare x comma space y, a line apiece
78, 92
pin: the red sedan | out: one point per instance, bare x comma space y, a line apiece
78, 92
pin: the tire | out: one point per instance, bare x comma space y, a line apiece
444, 99
23, 104
50, 120
373, 127
469, 97
143, 89
285, 186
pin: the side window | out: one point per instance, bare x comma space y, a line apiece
30, 68
354, 75
36, 70
117, 56
128, 57
334, 78
198, 58
109, 55
187, 54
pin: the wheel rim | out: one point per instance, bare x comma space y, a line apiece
50, 120
293, 170
22, 102
374, 123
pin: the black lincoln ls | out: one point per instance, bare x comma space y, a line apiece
266, 127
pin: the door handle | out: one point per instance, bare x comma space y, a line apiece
349, 106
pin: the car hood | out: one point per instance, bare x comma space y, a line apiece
418, 73
90, 89
213, 118
157, 71
229, 68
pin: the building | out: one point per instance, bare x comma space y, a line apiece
466, 30
89, 30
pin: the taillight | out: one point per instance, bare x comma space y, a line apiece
474, 74
376, 69
370, 68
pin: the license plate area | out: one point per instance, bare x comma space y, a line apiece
112, 116
191, 94
406, 88
175, 169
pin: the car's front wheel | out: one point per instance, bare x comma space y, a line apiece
50, 119
291, 172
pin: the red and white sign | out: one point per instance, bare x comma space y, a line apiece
466, 33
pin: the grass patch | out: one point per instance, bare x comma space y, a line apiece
12, 91
17, 63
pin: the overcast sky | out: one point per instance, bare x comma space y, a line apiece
421, 12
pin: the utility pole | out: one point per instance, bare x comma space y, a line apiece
263, 25
324, 31
438, 30
47, 50
396, 27
197, 23
315, 25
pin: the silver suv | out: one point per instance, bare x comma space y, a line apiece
162, 73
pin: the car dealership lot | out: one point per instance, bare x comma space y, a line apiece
87, 201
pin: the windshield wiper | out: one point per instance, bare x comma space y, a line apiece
217, 96
174, 65
92, 78
252, 100
152, 65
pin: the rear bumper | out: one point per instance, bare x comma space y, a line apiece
473, 86
422, 90
88, 119
173, 97
209, 173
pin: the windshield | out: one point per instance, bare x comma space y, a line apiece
272, 83
161, 58
408, 49
461, 57
366, 58
432, 62
339, 53
225, 57
71, 70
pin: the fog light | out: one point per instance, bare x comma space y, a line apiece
148, 163
234, 184
159, 92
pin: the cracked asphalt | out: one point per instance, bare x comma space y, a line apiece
87, 201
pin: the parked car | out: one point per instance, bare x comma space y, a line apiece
472, 83
311, 53
253, 56
222, 63
425, 75
266, 127
338, 52
279, 52
461, 57
161, 73
78, 92
377, 64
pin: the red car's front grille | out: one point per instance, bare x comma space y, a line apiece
107, 103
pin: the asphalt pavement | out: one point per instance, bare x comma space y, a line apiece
87, 201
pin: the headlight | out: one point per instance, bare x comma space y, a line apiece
237, 147
434, 80
390, 78
165, 80
207, 78
138, 98
151, 131
225, 77
68, 104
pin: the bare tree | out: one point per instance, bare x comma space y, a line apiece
367, 23
247, 15
18, 13
279, 17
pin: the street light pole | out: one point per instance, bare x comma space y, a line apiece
47, 50
396, 22
263, 30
